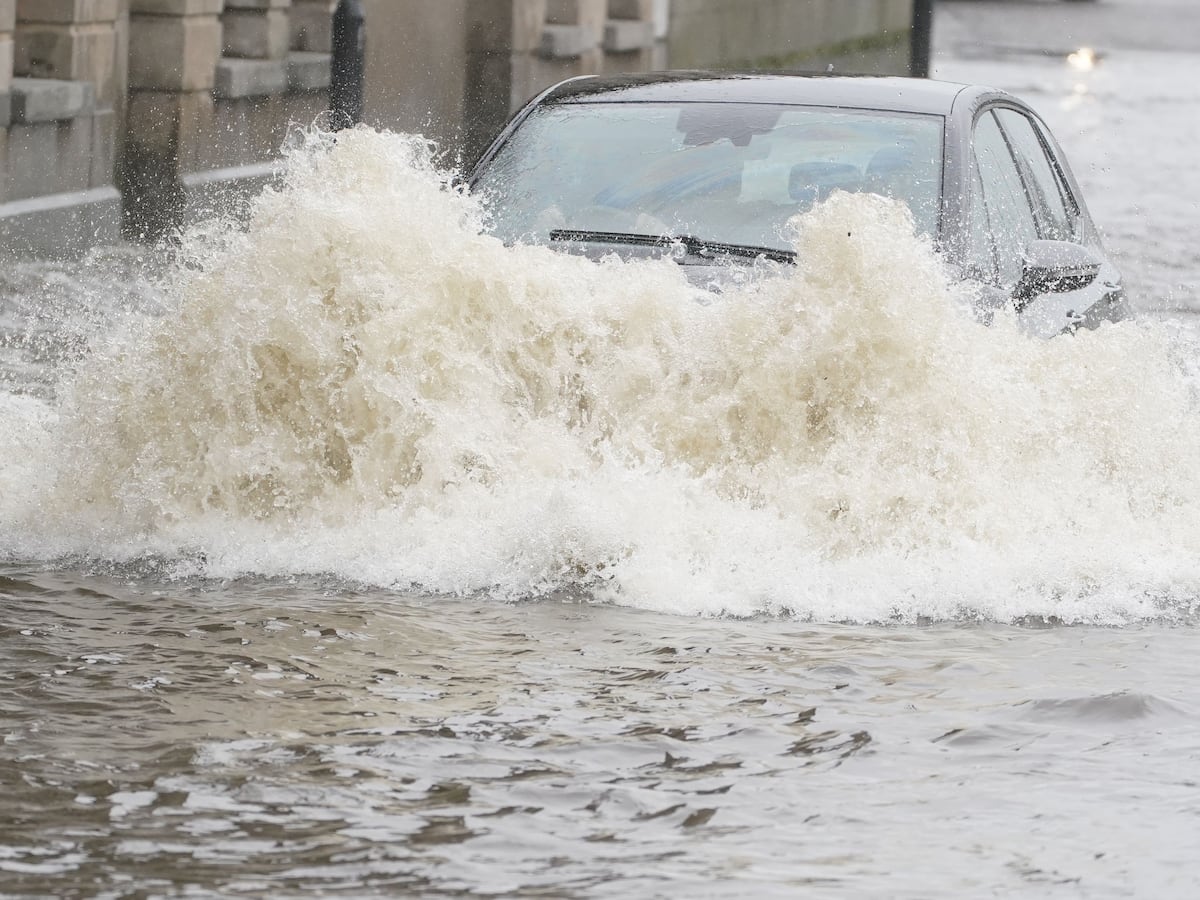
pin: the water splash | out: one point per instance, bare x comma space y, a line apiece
362, 382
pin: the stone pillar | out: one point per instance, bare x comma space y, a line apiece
59, 43
70, 40
500, 34
575, 30
631, 9
312, 25
656, 12
8, 10
121, 75
257, 29
629, 36
175, 47
174, 44
251, 77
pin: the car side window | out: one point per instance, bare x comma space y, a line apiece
981, 248
1010, 217
1056, 214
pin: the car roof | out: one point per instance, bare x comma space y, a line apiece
909, 95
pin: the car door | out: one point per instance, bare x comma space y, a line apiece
1020, 196
1060, 217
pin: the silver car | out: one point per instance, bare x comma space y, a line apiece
709, 168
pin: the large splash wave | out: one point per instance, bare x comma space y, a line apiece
363, 383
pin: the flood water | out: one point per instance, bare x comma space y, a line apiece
363, 556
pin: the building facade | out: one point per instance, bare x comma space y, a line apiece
130, 117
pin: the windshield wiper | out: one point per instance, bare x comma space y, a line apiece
695, 246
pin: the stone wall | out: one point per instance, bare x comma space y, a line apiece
131, 117
789, 33
63, 72
214, 86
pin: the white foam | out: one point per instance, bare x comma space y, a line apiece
362, 383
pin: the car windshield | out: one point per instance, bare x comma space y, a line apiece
725, 172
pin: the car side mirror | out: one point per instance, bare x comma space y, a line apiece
1055, 267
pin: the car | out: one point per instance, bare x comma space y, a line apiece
710, 167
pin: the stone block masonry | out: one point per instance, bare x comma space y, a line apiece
68, 12
174, 52
69, 39
58, 162
175, 47
307, 71
628, 35
588, 16
237, 78
176, 7
52, 139
785, 33
38, 100
211, 101
7, 22
312, 25
257, 29
8, 19
62, 83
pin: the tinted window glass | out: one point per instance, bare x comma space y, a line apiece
718, 171
1010, 218
981, 248
1055, 216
